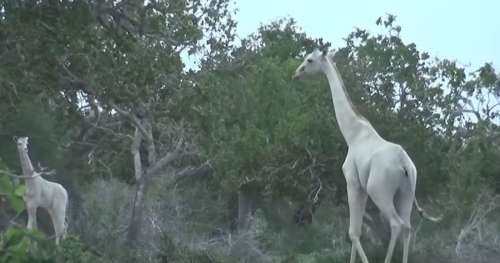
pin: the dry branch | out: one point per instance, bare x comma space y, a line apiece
485, 204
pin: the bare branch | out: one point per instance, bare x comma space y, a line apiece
13, 220
494, 106
110, 131
167, 159
134, 149
484, 205
108, 169
35, 174
202, 170
44, 170
82, 85
135, 121
315, 199
476, 113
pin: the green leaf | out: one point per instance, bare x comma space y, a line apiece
22, 246
20, 190
5, 184
16, 202
12, 237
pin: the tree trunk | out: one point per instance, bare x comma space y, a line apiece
246, 207
135, 224
136, 219
141, 178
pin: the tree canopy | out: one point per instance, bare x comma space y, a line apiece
169, 159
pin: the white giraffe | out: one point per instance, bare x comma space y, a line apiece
373, 166
42, 193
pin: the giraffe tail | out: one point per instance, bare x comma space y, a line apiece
424, 214
66, 216
411, 173
66, 213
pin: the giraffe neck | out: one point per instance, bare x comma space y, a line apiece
350, 122
26, 165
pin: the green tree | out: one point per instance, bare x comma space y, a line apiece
115, 69
264, 133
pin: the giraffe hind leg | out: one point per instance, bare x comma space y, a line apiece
404, 207
381, 189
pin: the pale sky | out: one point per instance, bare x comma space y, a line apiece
465, 31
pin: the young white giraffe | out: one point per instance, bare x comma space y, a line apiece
42, 193
373, 166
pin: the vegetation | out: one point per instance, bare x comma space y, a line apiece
229, 160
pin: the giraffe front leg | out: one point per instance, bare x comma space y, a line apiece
357, 202
31, 216
357, 198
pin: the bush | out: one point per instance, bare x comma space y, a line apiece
20, 245
104, 216
170, 252
74, 251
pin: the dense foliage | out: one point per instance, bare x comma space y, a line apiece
229, 159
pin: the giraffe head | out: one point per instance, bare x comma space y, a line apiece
313, 63
22, 142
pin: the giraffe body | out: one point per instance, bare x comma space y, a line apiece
374, 167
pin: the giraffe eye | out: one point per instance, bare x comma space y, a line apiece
309, 60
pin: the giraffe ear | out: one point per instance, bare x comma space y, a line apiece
14, 138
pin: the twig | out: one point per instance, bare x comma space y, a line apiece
167, 159
110, 131
35, 174
482, 209
135, 121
